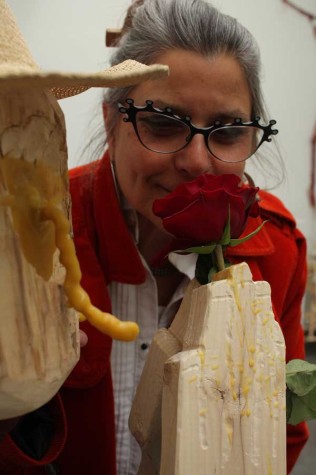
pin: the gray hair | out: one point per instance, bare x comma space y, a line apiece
192, 25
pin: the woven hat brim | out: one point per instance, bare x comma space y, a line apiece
64, 84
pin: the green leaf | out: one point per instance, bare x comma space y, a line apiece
300, 376
301, 391
235, 242
289, 404
202, 249
298, 409
204, 265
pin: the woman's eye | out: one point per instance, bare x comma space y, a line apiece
230, 134
159, 124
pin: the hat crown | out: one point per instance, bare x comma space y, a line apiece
14, 53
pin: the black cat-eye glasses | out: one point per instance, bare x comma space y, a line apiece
162, 131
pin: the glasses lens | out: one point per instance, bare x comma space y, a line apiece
161, 133
234, 143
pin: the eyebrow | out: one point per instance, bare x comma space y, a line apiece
176, 109
222, 116
233, 114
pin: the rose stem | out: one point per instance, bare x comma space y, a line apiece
219, 257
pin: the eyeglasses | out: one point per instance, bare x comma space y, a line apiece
162, 131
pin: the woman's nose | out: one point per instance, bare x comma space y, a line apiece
195, 159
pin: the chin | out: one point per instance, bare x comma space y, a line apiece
158, 224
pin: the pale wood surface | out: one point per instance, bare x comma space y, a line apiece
223, 406
39, 336
145, 416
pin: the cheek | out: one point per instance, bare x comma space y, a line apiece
140, 164
135, 171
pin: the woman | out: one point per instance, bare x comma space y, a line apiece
214, 75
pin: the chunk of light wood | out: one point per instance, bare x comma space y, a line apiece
223, 403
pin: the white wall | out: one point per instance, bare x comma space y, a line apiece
69, 35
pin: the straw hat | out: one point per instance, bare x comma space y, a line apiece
19, 70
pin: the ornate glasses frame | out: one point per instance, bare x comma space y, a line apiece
131, 110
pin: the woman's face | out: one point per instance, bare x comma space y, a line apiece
204, 89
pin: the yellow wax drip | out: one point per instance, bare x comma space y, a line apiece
38, 220
77, 296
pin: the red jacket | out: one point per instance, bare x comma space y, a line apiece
84, 438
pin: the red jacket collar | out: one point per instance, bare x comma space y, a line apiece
271, 210
112, 229
258, 245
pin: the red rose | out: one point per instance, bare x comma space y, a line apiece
198, 210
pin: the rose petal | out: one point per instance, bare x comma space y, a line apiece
200, 221
198, 210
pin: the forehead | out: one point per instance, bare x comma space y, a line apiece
201, 87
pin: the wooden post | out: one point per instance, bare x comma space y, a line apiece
223, 403
39, 335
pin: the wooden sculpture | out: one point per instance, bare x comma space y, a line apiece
217, 405
39, 336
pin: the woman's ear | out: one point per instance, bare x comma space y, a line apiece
109, 133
